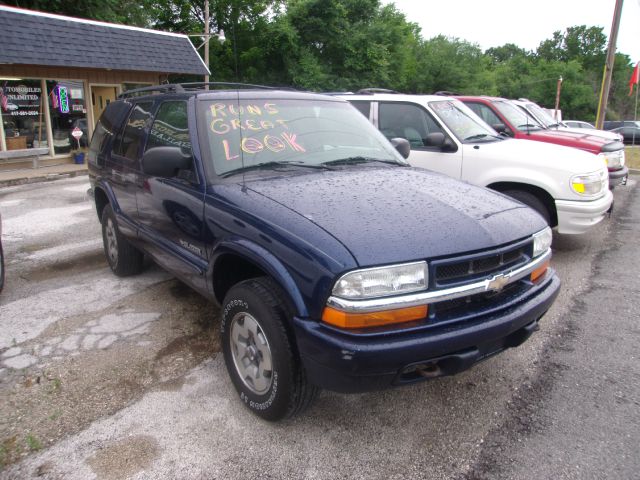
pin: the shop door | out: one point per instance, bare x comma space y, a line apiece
100, 98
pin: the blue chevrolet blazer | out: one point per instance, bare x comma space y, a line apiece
336, 265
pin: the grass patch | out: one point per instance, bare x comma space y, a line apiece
55, 386
632, 157
33, 443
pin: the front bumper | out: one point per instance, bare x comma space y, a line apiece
575, 217
355, 362
618, 177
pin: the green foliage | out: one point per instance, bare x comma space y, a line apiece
339, 45
33, 443
114, 11
450, 64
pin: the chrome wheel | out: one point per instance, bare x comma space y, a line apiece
112, 242
251, 353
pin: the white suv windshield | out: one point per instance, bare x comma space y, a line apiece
542, 115
516, 116
266, 132
463, 123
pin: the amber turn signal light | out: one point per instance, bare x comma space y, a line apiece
342, 319
539, 272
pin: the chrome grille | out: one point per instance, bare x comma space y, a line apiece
480, 266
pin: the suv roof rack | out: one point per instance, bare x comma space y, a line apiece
371, 91
192, 86
447, 93
198, 85
167, 88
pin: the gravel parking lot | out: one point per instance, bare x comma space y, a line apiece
109, 378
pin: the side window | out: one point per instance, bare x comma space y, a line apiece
406, 121
171, 129
129, 140
485, 113
106, 128
363, 107
170, 126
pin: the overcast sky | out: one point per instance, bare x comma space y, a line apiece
492, 23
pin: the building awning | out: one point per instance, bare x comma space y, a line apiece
35, 38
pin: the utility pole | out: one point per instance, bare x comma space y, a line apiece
206, 43
558, 87
608, 68
207, 36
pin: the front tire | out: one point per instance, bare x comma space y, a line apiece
124, 259
260, 353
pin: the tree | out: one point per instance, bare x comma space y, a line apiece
505, 53
113, 11
451, 64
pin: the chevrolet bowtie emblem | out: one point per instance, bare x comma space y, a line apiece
497, 283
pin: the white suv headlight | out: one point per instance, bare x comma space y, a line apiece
613, 159
382, 281
542, 241
590, 183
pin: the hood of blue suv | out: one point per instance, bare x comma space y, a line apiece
393, 215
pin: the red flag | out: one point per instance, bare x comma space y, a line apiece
635, 76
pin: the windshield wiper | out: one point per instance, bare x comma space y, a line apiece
266, 165
529, 126
480, 136
359, 159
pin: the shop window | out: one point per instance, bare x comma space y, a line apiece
68, 109
22, 114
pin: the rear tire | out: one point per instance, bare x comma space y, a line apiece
259, 351
530, 200
124, 259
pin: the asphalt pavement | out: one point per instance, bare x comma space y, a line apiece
107, 378
580, 417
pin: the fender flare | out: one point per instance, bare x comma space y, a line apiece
108, 191
267, 262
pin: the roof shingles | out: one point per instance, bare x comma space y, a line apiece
41, 40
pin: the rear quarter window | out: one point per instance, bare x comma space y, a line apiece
107, 126
128, 141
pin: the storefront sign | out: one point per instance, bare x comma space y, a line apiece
63, 99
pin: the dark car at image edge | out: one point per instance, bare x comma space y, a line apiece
336, 265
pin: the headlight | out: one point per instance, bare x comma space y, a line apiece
589, 184
382, 281
613, 159
542, 241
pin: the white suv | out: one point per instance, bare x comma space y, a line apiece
567, 186
547, 121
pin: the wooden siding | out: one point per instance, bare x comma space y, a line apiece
91, 75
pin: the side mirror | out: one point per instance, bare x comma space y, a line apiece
500, 127
439, 140
165, 161
402, 145
435, 139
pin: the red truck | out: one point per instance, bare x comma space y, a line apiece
507, 118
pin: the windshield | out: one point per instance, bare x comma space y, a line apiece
520, 119
259, 134
542, 115
465, 125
